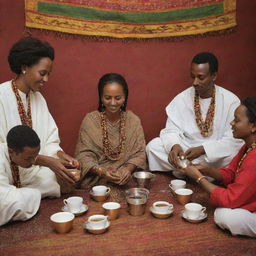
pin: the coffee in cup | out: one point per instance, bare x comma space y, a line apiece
74, 203
100, 190
97, 221
162, 207
194, 210
176, 184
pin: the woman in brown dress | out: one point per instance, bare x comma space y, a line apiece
111, 144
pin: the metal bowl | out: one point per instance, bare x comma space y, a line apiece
184, 163
143, 179
140, 192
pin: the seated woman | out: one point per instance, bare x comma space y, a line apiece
22, 103
111, 144
237, 200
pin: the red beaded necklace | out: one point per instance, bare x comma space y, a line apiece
24, 117
25, 120
113, 154
15, 175
252, 147
206, 128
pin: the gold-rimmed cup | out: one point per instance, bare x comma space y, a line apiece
100, 193
100, 190
112, 210
194, 210
183, 195
62, 222
97, 221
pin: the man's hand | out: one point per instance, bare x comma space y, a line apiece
67, 160
195, 152
56, 166
60, 170
174, 155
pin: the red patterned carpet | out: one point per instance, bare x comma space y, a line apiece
128, 235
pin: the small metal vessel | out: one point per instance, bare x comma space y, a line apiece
143, 179
136, 200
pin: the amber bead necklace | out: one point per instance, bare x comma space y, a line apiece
113, 154
252, 147
25, 120
206, 127
24, 117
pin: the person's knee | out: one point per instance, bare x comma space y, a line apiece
152, 145
232, 220
221, 216
23, 204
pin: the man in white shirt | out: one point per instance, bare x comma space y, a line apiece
20, 189
198, 124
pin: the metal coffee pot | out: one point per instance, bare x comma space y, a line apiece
136, 200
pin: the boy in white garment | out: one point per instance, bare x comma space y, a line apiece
20, 189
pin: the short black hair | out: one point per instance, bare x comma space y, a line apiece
112, 78
27, 52
21, 136
250, 104
207, 57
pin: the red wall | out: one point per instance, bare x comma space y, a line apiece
156, 71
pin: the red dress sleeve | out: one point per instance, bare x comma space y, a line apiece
240, 191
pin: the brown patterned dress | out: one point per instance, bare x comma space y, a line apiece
89, 148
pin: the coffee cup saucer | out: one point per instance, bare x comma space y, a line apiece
83, 210
200, 218
161, 215
99, 198
96, 231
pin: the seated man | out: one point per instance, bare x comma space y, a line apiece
198, 124
20, 189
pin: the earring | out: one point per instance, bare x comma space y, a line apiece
23, 72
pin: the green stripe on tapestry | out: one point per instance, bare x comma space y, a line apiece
142, 17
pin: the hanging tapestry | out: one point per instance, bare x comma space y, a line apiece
131, 18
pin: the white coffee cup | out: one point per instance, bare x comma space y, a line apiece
162, 207
74, 203
194, 210
100, 190
176, 184
97, 221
